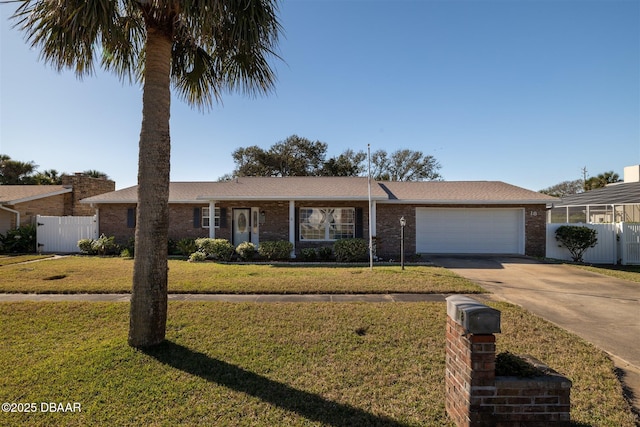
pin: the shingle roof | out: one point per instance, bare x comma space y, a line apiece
12, 194
462, 192
295, 188
614, 194
338, 188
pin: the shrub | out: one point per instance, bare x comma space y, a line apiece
131, 246
85, 246
577, 239
101, 246
274, 250
104, 245
186, 246
220, 249
19, 240
172, 247
351, 250
309, 254
511, 365
197, 256
246, 250
126, 253
325, 253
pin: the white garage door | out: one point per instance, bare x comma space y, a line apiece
470, 231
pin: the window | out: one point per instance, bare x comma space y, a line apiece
206, 218
131, 218
327, 223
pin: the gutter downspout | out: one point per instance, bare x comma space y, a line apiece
17, 214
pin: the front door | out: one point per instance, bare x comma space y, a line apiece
241, 226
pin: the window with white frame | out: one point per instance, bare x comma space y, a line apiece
206, 217
327, 223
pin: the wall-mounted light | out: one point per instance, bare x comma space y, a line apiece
263, 217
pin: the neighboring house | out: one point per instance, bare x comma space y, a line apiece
619, 202
20, 204
441, 217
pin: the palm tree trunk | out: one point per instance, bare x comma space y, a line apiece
148, 312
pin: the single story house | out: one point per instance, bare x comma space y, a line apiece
480, 217
21, 204
619, 202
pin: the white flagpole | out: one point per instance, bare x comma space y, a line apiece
370, 208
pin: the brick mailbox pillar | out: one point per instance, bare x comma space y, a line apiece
470, 360
474, 396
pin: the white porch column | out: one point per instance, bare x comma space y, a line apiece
212, 219
292, 226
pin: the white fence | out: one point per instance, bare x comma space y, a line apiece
61, 233
617, 243
629, 243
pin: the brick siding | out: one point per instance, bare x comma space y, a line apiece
388, 227
113, 221
64, 204
54, 206
476, 397
83, 186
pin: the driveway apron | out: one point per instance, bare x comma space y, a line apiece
603, 310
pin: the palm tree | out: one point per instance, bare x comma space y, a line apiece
602, 180
95, 174
199, 47
48, 177
14, 172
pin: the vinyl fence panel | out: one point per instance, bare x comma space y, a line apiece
605, 251
629, 243
60, 234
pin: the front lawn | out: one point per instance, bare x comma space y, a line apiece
16, 259
80, 274
293, 364
625, 272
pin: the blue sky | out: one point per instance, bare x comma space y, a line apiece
526, 92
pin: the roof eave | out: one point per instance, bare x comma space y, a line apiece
283, 198
468, 202
38, 196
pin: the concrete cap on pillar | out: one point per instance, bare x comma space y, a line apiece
473, 316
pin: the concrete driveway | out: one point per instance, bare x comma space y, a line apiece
602, 310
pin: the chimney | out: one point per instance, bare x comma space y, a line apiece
632, 173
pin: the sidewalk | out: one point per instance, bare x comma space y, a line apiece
232, 297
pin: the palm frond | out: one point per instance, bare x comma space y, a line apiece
222, 45
227, 46
123, 44
66, 31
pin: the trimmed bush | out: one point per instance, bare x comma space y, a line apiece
309, 254
275, 250
577, 239
351, 250
325, 253
220, 249
197, 256
246, 250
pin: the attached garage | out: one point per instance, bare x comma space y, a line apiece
470, 230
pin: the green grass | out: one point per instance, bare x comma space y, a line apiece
625, 272
306, 364
15, 259
113, 275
